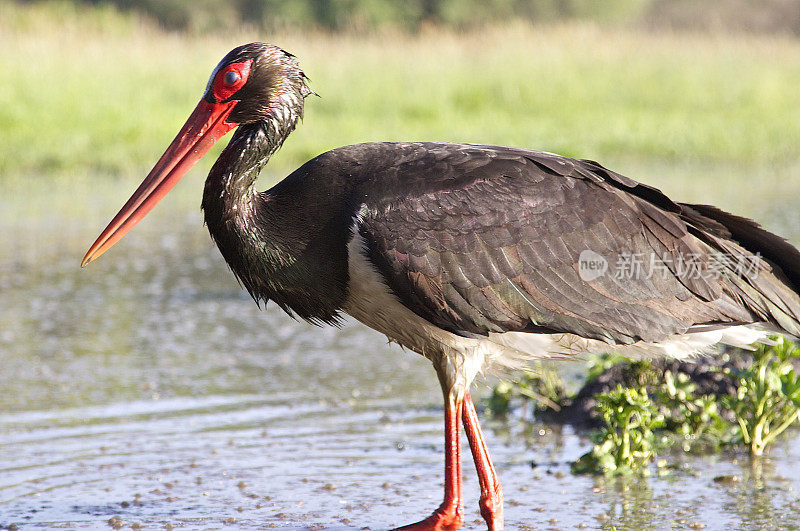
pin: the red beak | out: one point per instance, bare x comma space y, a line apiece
205, 126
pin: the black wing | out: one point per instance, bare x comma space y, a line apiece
489, 239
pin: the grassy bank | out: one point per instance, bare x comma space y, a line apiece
93, 92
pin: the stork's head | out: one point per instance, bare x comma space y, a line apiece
254, 84
257, 82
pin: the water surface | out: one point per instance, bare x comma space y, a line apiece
148, 390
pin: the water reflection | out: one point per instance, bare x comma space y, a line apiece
760, 495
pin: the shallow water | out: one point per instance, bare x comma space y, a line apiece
149, 388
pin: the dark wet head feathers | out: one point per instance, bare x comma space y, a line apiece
266, 81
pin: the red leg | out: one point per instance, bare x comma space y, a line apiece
491, 492
450, 514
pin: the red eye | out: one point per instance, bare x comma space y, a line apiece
230, 79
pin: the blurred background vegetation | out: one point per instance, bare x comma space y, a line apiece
681, 94
413, 15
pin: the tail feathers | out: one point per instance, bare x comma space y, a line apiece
750, 235
771, 290
764, 291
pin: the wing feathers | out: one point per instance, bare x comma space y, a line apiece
489, 239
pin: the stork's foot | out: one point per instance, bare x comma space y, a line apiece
492, 508
444, 518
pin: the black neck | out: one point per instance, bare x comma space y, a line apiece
282, 244
231, 203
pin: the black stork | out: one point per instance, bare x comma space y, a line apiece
477, 257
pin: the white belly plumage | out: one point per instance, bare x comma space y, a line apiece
462, 358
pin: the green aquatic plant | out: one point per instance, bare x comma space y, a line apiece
767, 399
636, 424
626, 443
689, 418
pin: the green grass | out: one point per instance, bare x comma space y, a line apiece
94, 92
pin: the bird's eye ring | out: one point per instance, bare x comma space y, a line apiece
232, 77
228, 80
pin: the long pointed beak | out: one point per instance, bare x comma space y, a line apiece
206, 125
